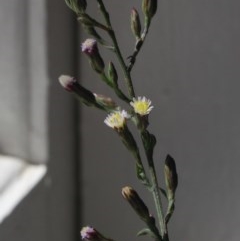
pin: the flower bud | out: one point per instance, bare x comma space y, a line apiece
135, 23
112, 74
149, 8
129, 141
78, 6
137, 203
105, 102
91, 234
90, 48
171, 177
82, 4
70, 84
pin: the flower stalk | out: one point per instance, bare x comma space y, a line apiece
149, 141
112, 35
138, 112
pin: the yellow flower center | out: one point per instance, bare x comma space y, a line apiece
116, 120
141, 107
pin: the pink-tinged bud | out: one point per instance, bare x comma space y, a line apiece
135, 23
90, 48
91, 234
68, 83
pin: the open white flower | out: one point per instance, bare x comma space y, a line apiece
141, 105
116, 119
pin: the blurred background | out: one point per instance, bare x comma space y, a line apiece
189, 68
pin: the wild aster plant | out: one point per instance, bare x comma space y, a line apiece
138, 111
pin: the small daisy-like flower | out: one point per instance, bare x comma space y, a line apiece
116, 119
141, 105
89, 47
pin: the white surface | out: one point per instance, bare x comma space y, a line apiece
10, 167
17, 179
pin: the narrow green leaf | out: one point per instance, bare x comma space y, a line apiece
145, 231
163, 192
141, 175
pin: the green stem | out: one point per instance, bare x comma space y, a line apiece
130, 143
138, 46
157, 197
112, 35
118, 92
149, 142
87, 20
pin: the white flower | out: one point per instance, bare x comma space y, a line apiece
116, 119
141, 105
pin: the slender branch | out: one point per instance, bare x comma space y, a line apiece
149, 142
156, 196
138, 45
118, 92
87, 20
130, 143
112, 35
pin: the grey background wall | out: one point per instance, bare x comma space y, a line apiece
49, 212
189, 68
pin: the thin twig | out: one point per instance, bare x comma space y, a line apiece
112, 35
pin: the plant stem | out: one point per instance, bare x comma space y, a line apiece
156, 196
112, 35
138, 46
149, 142
130, 143
118, 92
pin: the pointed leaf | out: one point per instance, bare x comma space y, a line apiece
141, 174
163, 192
145, 231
